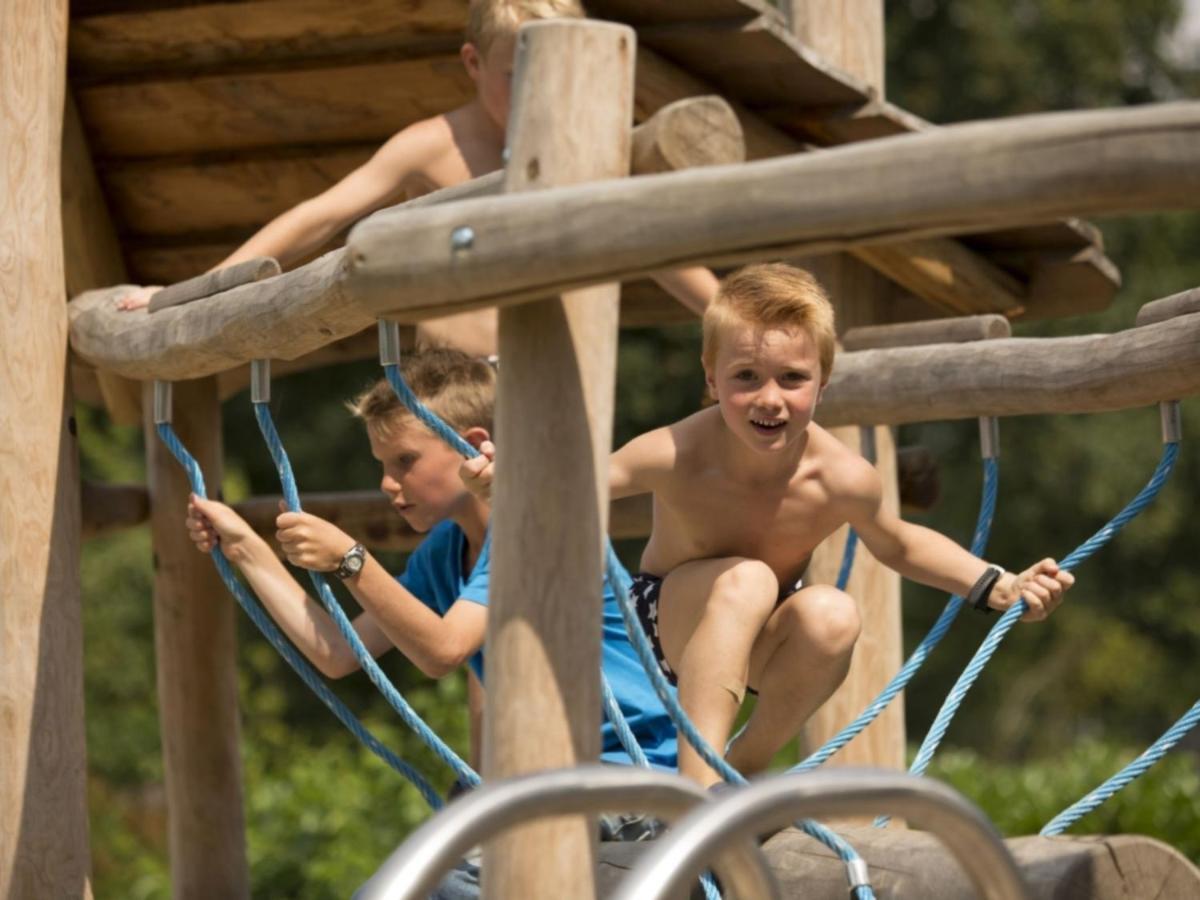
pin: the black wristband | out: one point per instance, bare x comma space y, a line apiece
982, 589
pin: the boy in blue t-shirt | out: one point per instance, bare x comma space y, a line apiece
435, 613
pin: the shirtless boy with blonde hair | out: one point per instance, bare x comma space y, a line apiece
744, 491
435, 153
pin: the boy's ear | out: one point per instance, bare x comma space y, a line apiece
475, 436
710, 384
471, 58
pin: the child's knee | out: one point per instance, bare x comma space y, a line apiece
747, 587
828, 619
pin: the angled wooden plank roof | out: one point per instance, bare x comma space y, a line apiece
207, 119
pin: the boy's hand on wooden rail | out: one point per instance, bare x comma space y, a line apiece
476, 473
139, 298
1041, 586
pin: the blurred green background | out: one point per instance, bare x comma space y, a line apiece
1062, 706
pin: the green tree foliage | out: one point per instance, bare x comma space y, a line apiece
1109, 671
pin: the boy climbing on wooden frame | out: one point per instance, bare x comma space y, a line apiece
744, 491
438, 152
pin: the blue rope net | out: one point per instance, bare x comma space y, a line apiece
277, 640
617, 580
983, 527
1152, 754
395, 699
1011, 616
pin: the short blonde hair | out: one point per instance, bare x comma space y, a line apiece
460, 389
771, 295
488, 20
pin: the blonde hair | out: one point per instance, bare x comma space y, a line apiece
771, 295
460, 389
488, 20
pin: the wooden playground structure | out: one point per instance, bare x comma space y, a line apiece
170, 132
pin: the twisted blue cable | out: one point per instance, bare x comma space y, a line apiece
277, 640
616, 577
843, 577
983, 528
1010, 618
1153, 754
395, 699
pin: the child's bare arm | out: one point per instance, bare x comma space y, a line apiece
311, 224
303, 620
694, 287
929, 557
436, 644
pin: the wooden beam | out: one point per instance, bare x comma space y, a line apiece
112, 507
960, 178
195, 643
1016, 376
43, 777
195, 38
91, 252
932, 331
1181, 304
258, 109
570, 120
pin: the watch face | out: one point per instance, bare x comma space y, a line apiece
354, 563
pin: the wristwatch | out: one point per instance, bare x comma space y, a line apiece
982, 589
352, 562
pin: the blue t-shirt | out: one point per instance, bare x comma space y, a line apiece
434, 575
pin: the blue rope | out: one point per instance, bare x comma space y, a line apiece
1153, 754
395, 699
983, 527
843, 578
1010, 618
616, 577
277, 640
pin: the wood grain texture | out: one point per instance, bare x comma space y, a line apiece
572, 105
933, 331
92, 255
1181, 304
1017, 376
216, 282
43, 776
258, 109
195, 645
959, 178
211, 35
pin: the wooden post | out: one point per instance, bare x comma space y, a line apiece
92, 254
43, 767
849, 33
570, 121
195, 647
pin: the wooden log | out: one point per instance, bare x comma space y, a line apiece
43, 776
932, 331
343, 103
960, 178
915, 864
1017, 376
91, 252
697, 131
112, 507
940, 270
1181, 304
572, 105
203, 37
209, 283
195, 643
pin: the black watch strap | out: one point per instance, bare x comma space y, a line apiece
982, 589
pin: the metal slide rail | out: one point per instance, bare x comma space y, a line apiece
415, 867
775, 802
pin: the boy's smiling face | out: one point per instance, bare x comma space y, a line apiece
420, 473
767, 382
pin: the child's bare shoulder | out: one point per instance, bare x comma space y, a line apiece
847, 476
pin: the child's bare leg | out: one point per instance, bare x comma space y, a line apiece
710, 614
798, 661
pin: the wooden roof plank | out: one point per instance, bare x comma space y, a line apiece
343, 104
